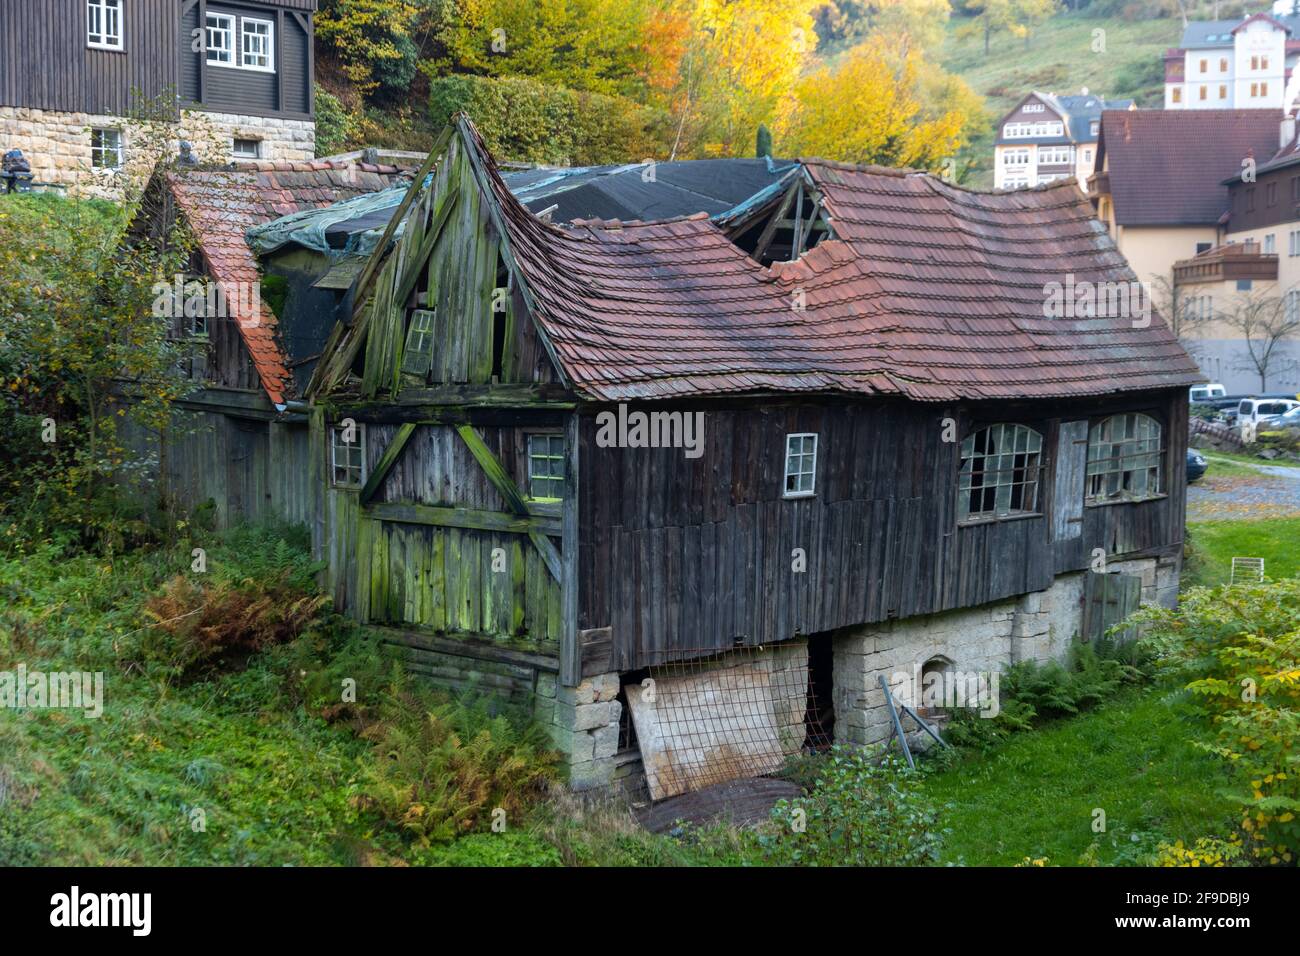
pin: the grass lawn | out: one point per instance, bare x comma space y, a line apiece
1059, 57
1213, 545
1035, 795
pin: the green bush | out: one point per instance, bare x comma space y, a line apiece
526, 121
335, 126
1238, 648
863, 810
1031, 692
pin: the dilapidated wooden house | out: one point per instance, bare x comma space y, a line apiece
239, 439
840, 436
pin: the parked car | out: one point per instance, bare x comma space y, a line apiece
1254, 412
1289, 420
1207, 393
1196, 465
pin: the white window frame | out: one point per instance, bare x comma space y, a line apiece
1011, 458
270, 44
348, 467
1015, 157
234, 147
229, 29
549, 456
803, 457
1291, 305
102, 150
98, 15
1055, 156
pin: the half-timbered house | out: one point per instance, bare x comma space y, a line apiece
872, 446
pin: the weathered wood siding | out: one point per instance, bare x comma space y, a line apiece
45, 63
251, 469
680, 556
448, 263
391, 565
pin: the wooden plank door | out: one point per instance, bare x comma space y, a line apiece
1071, 470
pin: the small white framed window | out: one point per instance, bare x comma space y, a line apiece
257, 44
106, 148
348, 456
219, 43
246, 148
104, 24
800, 465
1124, 457
1000, 472
546, 466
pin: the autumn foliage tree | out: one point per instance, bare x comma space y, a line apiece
871, 108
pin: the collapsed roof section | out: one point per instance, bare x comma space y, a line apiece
221, 205
922, 290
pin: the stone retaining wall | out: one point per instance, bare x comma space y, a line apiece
57, 144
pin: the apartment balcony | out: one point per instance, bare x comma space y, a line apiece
1228, 263
1098, 185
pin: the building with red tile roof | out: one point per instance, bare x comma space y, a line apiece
869, 428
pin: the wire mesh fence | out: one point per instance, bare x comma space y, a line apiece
725, 716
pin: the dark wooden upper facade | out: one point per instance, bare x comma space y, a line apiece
643, 555
50, 58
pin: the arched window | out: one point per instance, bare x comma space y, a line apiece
999, 477
1124, 455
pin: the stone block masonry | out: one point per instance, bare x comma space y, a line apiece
583, 722
57, 144
1040, 626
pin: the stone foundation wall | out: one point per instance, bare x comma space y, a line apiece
980, 640
583, 722
57, 144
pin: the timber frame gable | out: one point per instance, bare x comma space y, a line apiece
474, 556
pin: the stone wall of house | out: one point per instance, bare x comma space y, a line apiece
57, 144
980, 640
583, 722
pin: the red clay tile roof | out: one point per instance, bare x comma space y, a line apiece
929, 292
1167, 167
220, 206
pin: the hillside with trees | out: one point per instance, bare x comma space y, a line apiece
896, 82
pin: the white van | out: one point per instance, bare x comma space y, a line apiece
1206, 393
1254, 412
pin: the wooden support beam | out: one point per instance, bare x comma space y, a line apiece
570, 648
386, 462
769, 231
467, 518
376, 256
496, 474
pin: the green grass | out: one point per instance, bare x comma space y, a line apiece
1035, 795
1213, 545
1059, 58
1224, 458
